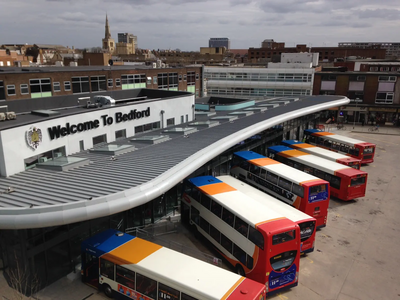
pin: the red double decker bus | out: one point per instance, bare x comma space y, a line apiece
355, 148
258, 242
324, 153
345, 182
305, 192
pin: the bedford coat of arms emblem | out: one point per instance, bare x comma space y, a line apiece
34, 137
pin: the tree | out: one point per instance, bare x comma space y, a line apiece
22, 281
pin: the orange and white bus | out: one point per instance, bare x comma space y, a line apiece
305, 192
127, 267
306, 223
355, 148
258, 242
345, 182
324, 153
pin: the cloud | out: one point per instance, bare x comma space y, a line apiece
380, 13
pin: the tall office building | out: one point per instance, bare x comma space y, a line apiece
127, 38
219, 42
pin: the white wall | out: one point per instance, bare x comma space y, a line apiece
15, 148
304, 57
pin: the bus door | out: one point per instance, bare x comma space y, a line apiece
90, 270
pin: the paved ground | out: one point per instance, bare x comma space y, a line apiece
357, 254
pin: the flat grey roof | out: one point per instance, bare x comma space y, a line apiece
41, 198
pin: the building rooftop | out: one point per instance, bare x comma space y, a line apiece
108, 184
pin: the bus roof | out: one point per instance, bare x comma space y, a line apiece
317, 150
336, 137
317, 162
283, 170
206, 280
242, 205
286, 210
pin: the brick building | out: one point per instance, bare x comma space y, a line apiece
19, 83
326, 54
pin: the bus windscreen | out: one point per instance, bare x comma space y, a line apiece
283, 260
283, 237
306, 230
357, 181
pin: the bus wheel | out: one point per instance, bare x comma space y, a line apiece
240, 271
107, 291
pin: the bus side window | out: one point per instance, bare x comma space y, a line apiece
256, 237
187, 297
227, 217
206, 201
166, 292
215, 234
146, 286
194, 215
216, 209
241, 226
106, 268
239, 254
226, 243
125, 277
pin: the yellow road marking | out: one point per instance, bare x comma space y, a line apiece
311, 261
282, 297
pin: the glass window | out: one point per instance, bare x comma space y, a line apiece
166, 292
216, 209
256, 237
100, 139
187, 297
24, 89
10, 90
80, 85
239, 254
241, 226
67, 85
98, 83
227, 217
195, 215
272, 178
117, 82
110, 83
286, 184
226, 243
283, 260
120, 134
206, 201
283, 237
204, 225
125, 277
180, 77
106, 268
56, 87
146, 286
249, 262
357, 181
215, 234
298, 190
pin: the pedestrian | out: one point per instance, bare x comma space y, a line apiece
362, 122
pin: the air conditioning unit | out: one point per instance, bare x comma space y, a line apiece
42, 159
57, 154
11, 115
2, 116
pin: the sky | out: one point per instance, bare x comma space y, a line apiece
188, 24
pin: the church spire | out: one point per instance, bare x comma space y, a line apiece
107, 34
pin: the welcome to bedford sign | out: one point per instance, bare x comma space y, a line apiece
56, 132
